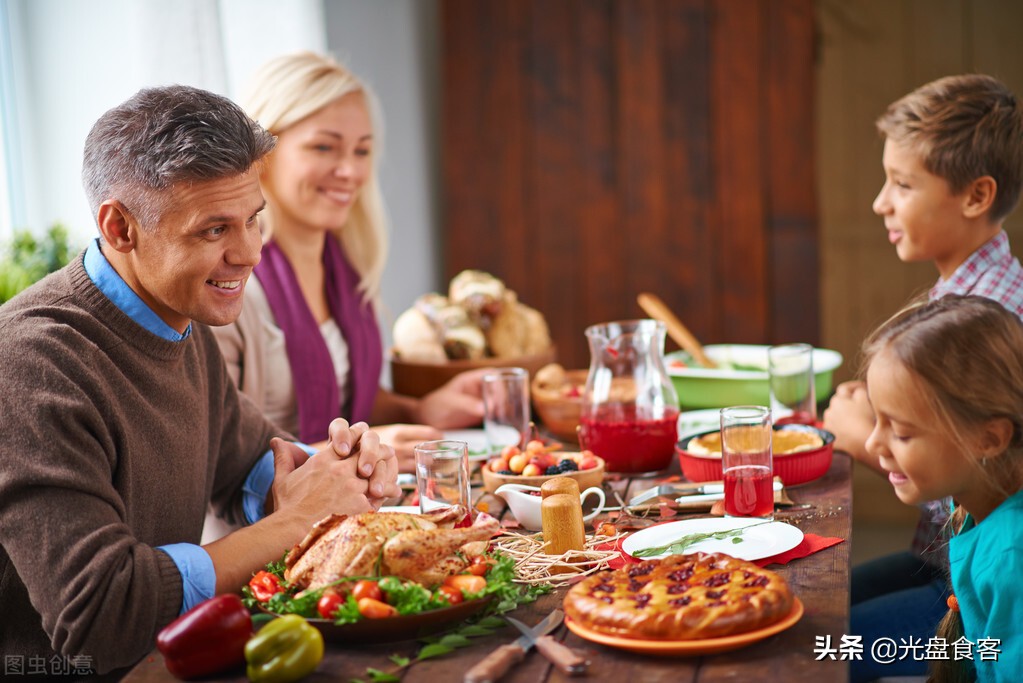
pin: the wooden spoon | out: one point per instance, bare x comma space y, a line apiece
656, 309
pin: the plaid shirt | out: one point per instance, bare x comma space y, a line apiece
991, 272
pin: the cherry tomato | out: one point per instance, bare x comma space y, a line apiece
265, 585
374, 609
453, 595
480, 565
367, 589
328, 603
467, 583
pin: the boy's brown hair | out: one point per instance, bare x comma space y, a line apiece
964, 127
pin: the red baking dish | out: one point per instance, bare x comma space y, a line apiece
793, 468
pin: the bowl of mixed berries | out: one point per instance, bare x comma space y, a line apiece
538, 462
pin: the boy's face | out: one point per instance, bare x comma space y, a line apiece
924, 219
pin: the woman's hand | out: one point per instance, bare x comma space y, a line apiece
459, 403
850, 418
403, 439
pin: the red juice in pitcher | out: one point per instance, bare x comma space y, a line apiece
749, 491
627, 443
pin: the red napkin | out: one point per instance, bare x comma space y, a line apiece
810, 544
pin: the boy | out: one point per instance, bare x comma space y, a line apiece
953, 159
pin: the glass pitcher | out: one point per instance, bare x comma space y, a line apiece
630, 407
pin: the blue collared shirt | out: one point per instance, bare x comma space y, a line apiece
199, 579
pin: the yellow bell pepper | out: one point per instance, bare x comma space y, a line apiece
285, 650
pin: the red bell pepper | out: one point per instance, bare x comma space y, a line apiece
265, 585
206, 639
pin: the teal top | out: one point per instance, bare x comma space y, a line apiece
986, 562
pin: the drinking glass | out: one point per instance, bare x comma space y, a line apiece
790, 374
506, 407
746, 461
442, 476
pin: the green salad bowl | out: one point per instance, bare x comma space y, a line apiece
740, 378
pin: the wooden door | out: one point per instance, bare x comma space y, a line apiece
594, 149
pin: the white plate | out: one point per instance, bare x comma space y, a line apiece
764, 540
479, 449
696, 421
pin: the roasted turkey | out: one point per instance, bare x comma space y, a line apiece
421, 548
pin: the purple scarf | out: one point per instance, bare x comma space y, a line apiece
312, 370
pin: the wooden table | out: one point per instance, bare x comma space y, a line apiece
820, 581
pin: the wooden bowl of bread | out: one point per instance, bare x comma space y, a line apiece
479, 323
418, 379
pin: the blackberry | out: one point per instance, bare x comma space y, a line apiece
566, 465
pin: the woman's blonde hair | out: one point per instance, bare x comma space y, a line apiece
291, 87
966, 355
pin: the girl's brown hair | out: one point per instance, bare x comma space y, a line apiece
966, 354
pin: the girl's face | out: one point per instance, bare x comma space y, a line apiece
319, 165
922, 460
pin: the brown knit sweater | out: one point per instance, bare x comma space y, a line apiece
112, 442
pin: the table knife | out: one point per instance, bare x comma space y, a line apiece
679, 493
673, 490
498, 662
719, 490
567, 660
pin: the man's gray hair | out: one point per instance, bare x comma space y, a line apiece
163, 136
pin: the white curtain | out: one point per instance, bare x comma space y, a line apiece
72, 60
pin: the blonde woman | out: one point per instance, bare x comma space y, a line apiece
307, 346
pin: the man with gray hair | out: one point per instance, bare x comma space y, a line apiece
120, 423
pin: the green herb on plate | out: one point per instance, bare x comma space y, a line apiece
679, 545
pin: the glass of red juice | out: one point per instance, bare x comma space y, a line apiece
746, 461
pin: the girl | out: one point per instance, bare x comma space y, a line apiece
946, 382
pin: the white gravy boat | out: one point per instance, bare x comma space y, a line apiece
526, 507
